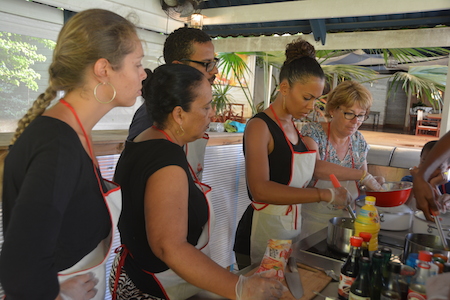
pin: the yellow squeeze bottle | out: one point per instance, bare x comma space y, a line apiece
368, 220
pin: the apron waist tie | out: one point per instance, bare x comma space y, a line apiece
121, 263
294, 214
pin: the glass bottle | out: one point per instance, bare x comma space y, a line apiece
360, 289
366, 236
392, 290
350, 268
387, 253
376, 279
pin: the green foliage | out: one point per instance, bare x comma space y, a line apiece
423, 82
221, 97
231, 64
17, 56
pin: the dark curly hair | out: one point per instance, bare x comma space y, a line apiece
171, 85
300, 63
178, 44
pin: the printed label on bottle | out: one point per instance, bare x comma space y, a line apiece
413, 295
352, 296
345, 282
367, 217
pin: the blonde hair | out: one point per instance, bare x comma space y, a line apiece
87, 36
346, 94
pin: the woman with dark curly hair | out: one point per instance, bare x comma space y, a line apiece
167, 218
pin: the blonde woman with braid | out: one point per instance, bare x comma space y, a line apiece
59, 214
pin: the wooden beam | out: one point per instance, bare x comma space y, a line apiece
407, 38
317, 9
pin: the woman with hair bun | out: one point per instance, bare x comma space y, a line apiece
58, 213
279, 165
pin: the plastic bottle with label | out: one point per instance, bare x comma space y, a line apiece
424, 271
350, 268
368, 220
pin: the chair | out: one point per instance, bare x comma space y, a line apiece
427, 127
235, 112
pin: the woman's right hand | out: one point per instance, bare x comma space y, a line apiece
80, 287
259, 286
340, 198
371, 183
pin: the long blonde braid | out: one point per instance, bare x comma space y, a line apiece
38, 107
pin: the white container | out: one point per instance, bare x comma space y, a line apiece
396, 218
422, 225
216, 127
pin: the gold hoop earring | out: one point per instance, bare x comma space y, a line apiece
284, 102
95, 93
181, 131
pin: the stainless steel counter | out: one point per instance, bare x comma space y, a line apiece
303, 254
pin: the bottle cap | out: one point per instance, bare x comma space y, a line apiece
425, 255
366, 236
386, 250
370, 200
356, 241
395, 267
377, 255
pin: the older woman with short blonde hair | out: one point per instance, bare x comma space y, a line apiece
339, 142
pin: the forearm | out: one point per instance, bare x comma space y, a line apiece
199, 270
439, 154
275, 193
323, 170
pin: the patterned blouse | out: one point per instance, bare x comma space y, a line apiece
355, 156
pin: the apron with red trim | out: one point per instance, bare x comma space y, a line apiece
195, 154
316, 215
95, 261
173, 286
271, 221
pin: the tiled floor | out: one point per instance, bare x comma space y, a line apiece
394, 137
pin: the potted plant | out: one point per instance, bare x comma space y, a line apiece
221, 98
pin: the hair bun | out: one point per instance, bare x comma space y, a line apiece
299, 48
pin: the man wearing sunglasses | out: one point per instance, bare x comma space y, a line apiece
188, 46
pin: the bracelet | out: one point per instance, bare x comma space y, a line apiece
318, 194
364, 176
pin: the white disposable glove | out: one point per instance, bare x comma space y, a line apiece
80, 287
437, 287
340, 198
259, 286
443, 203
371, 183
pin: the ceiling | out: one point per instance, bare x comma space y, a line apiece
319, 27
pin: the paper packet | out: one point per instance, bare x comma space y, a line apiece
275, 257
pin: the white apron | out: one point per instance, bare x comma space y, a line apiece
195, 154
95, 261
173, 286
315, 216
272, 221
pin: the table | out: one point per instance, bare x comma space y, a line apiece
433, 116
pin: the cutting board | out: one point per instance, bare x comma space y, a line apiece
312, 280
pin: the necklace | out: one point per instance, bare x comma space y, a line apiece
348, 152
